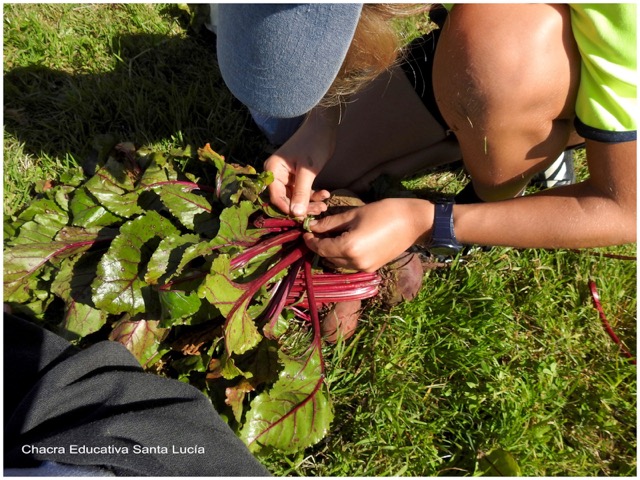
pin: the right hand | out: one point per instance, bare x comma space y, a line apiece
368, 237
296, 164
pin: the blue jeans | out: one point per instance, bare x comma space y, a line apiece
277, 130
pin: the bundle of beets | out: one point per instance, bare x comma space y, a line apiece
185, 263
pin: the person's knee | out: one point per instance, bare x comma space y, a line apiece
505, 78
506, 60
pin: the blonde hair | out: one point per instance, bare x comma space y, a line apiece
377, 45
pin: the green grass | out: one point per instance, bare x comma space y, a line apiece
501, 350
75, 72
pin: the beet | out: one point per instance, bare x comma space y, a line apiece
341, 320
342, 200
401, 279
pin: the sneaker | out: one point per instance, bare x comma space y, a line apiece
559, 173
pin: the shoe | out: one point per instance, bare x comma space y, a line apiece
558, 174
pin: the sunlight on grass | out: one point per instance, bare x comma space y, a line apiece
503, 350
75, 72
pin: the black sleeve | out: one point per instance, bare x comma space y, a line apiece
97, 407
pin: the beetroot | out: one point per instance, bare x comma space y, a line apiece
401, 279
341, 320
342, 200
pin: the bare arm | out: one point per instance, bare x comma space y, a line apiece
507, 87
600, 211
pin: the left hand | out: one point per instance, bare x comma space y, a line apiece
368, 237
296, 164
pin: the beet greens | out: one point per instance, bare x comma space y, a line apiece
185, 264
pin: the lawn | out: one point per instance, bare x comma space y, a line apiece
501, 360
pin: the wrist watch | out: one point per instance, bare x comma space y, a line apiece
443, 239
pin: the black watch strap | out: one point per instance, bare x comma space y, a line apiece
443, 238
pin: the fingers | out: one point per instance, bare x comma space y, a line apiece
333, 223
282, 178
367, 237
298, 161
337, 248
317, 205
291, 191
301, 194
320, 195
279, 197
330, 248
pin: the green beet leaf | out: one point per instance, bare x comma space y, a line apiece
263, 363
87, 212
33, 297
279, 325
40, 222
72, 177
141, 337
178, 305
234, 231
73, 285
226, 368
234, 225
157, 172
207, 154
25, 260
165, 260
250, 188
119, 286
182, 307
42, 212
38, 231
185, 205
98, 237
113, 187
296, 412
241, 333
23, 291
235, 397
230, 179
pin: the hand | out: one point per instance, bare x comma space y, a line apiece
296, 164
368, 237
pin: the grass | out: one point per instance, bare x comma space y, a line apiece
501, 352
133, 71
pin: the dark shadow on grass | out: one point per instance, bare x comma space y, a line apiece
162, 89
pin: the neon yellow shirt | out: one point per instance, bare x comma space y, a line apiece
606, 106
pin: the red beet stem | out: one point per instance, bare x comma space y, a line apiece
605, 323
266, 222
251, 252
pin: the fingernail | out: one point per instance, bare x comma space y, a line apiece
297, 210
313, 223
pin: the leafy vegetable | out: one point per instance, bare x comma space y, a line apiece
195, 274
